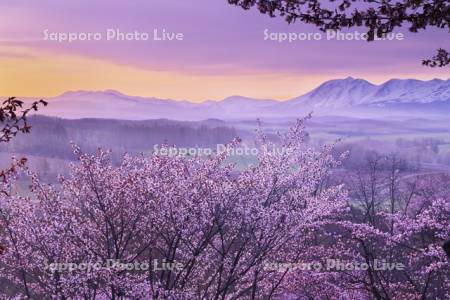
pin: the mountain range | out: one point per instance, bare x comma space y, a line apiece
345, 97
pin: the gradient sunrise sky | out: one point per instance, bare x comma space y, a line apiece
223, 52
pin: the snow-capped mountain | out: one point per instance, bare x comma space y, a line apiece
413, 91
339, 96
350, 92
337, 93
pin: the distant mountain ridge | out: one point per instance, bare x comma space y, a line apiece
338, 96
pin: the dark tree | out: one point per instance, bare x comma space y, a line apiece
446, 248
441, 59
13, 120
379, 17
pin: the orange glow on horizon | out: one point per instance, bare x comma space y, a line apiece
29, 73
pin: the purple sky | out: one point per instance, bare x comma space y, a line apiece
219, 41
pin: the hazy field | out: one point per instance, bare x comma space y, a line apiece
422, 142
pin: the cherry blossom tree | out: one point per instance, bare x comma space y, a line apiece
163, 226
398, 228
13, 120
174, 227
